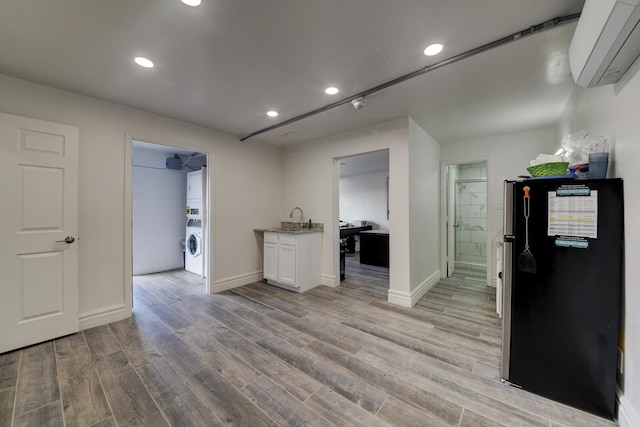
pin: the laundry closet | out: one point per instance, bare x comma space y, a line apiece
169, 209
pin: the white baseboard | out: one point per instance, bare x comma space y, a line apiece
424, 287
409, 299
627, 415
102, 316
330, 280
236, 281
399, 298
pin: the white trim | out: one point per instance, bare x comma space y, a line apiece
127, 251
334, 280
102, 316
330, 280
627, 415
424, 287
409, 299
227, 283
335, 229
399, 298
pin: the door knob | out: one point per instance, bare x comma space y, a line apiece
68, 239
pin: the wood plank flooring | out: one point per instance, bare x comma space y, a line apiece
262, 356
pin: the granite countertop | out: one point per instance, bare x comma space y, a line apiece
293, 228
375, 232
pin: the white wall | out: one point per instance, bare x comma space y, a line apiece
424, 210
159, 196
364, 197
247, 189
612, 111
311, 181
507, 157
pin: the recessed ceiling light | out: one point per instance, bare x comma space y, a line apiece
331, 90
433, 49
143, 62
192, 2
272, 113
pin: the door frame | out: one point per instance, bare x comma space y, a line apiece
335, 232
335, 239
128, 208
444, 246
450, 231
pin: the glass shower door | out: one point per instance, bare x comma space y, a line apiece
471, 224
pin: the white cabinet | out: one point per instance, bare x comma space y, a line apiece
292, 261
196, 184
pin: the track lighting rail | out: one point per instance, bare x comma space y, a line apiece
505, 40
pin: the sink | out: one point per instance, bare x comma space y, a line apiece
286, 230
293, 228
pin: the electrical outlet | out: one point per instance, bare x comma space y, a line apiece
620, 361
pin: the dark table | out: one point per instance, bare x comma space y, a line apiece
349, 232
374, 248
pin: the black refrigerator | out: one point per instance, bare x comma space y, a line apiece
562, 292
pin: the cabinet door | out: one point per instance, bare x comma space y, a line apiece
194, 185
270, 261
287, 265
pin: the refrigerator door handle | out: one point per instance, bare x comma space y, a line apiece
507, 282
509, 188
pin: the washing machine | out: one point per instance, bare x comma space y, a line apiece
195, 237
193, 261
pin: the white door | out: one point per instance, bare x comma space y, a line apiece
39, 269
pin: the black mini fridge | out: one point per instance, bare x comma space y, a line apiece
562, 275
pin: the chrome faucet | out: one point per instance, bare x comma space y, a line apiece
301, 216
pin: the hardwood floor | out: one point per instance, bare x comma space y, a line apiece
259, 355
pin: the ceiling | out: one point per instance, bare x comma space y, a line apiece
225, 63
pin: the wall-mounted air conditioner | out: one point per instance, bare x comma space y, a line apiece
606, 41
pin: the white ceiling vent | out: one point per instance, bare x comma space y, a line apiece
606, 41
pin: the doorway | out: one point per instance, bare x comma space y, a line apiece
363, 213
170, 223
467, 223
